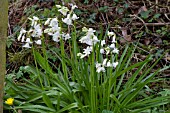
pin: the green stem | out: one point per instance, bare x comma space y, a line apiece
109, 89
92, 84
15, 111
63, 63
33, 49
45, 55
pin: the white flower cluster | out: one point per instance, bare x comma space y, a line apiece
53, 29
35, 31
69, 16
100, 67
111, 48
91, 40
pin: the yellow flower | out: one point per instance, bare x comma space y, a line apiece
9, 101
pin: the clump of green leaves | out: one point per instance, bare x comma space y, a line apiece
163, 31
76, 87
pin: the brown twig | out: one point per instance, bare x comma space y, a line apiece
157, 4
151, 24
167, 17
140, 20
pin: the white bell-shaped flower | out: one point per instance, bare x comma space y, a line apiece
115, 50
22, 32
102, 51
34, 20
87, 51
67, 20
110, 34
28, 41
74, 17
73, 6
114, 38
112, 46
103, 42
63, 10
104, 62
66, 36
38, 42
115, 64
37, 31
26, 45
54, 22
109, 64
56, 37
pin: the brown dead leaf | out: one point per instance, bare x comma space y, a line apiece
167, 57
143, 8
126, 37
19, 111
147, 41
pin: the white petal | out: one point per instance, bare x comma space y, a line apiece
98, 65
68, 21
54, 22
83, 39
79, 54
23, 38
56, 36
74, 17
88, 50
67, 36
58, 6
115, 50
73, 6
38, 42
114, 38
102, 51
47, 21
28, 41
100, 69
95, 39
112, 46
56, 39
115, 64
103, 42
27, 45
19, 37
63, 10
47, 30
83, 55
110, 33
109, 64
107, 50
84, 29
104, 62
91, 31
22, 32
37, 31
35, 18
